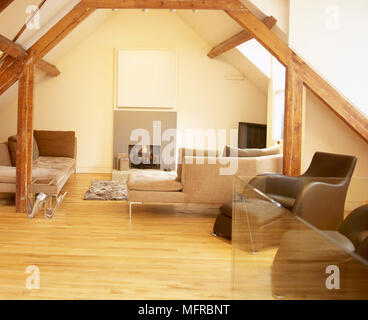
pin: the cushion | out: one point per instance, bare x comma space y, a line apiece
153, 180
241, 153
5, 159
12, 145
310, 246
62, 164
261, 212
183, 152
362, 249
156, 196
36, 152
286, 202
8, 174
362, 236
55, 143
227, 209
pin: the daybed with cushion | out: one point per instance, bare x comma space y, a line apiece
198, 179
54, 158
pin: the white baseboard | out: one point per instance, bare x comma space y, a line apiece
94, 170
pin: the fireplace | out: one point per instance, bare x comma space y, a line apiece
144, 156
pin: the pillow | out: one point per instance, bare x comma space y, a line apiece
362, 236
5, 159
192, 152
241, 153
12, 144
55, 143
36, 152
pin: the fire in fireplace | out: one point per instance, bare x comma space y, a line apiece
144, 156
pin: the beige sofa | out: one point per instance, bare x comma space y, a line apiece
54, 159
198, 179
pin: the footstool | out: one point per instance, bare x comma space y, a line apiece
223, 221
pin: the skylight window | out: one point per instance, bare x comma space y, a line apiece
257, 54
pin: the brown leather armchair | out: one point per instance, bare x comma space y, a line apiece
318, 196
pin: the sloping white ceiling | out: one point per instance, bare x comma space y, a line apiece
14, 16
215, 27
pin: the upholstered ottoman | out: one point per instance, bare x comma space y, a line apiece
153, 186
224, 221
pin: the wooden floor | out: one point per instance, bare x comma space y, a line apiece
91, 250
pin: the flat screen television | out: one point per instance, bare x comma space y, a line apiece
252, 135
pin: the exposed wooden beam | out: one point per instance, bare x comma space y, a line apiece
58, 32
293, 123
333, 99
25, 114
30, 107
6, 63
4, 4
165, 4
20, 32
11, 69
238, 39
48, 41
264, 35
11, 48
49, 68
16, 51
10, 73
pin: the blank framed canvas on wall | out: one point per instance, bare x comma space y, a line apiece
146, 78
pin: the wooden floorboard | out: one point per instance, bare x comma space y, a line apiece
91, 250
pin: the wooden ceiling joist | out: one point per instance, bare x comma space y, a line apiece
4, 4
263, 34
238, 39
59, 31
49, 68
12, 49
10, 73
48, 41
16, 51
332, 98
165, 4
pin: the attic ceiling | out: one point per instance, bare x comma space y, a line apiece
204, 22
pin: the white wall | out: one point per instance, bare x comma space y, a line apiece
82, 98
331, 35
324, 131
